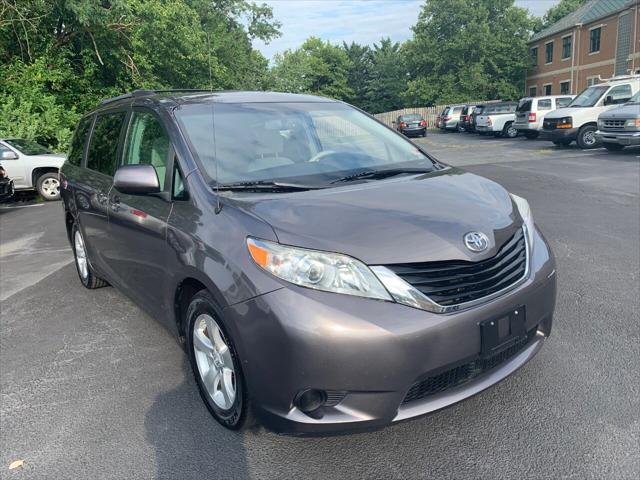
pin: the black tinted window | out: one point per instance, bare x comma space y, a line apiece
102, 154
78, 141
524, 105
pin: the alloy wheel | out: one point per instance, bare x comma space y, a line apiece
589, 138
51, 187
214, 360
81, 255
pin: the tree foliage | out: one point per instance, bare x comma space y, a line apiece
59, 57
555, 13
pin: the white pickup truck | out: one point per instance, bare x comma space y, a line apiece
31, 166
579, 120
498, 118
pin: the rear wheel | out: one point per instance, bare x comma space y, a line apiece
613, 147
48, 185
587, 137
531, 135
215, 363
460, 128
87, 276
509, 131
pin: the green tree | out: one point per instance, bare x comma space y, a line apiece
359, 72
388, 80
463, 50
59, 57
316, 67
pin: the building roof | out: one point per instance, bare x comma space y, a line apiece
589, 12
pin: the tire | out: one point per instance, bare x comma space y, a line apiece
208, 359
459, 128
87, 276
587, 139
531, 135
612, 147
48, 186
509, 131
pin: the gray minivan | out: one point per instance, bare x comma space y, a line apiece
323, 272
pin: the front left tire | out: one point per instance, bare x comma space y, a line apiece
215, 363
88, 278
48, 186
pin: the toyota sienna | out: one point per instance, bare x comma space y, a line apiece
323, 272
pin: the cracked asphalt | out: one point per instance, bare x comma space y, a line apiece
91, 387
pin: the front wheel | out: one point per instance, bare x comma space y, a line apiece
215, 363
48, 185
587, 137
613, 147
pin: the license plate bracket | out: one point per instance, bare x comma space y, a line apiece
501, 332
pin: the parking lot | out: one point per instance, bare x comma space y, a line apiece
94, 388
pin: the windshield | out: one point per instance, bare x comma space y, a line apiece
589, 96
310, 143
634, 99
27, 147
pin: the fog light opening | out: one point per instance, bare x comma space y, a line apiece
310, 400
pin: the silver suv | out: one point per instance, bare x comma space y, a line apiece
531, 111
31, 166
450, 118
620, 127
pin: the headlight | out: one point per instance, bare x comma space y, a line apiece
633, 124
600, 123
565, 122
330, 272
527, 217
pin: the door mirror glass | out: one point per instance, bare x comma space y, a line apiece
136, 179
8, 155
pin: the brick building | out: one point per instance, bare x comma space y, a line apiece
598, 40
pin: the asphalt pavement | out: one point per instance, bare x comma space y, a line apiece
91, 387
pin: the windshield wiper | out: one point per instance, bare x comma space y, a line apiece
379, 174
262, 185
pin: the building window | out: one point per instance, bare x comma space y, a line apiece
566, 47
547, 89
534, 57
532, 91
565, 87
594, 40
592, 81
548, 52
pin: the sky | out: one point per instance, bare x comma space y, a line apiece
361, 21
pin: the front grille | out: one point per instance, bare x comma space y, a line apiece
453, 282
614, 124
464, 373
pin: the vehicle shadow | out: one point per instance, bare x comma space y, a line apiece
188, 442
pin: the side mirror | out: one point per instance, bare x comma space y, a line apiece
608, 100
8, 155
136, 180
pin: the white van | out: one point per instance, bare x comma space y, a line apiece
531, 112
579, 120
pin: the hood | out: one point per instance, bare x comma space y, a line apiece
623, 111
404, 220
47, 159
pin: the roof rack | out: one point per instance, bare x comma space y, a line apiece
142, 92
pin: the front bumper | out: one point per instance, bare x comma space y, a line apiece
561, 134
526, 127
483, 128
621, 138
413, 131
372, 352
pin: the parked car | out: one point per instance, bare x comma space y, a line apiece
451, 117
412, 125
439, 117
6, 185
498, 118
578, 121
31, 166
620, 126
325, 273
465, 118
474, 116
531, 111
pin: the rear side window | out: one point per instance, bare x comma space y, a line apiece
147, 144
103, 149
544, 104
524, 105
78, 141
